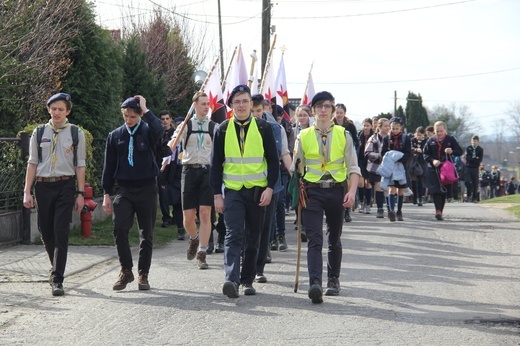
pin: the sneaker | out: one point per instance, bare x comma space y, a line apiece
368, 210
142, 282
57, 289
192, 249
274, 244
333, 287
282, 245
201, 257
260, 278
125, 277
230, 289
316, 294
400, 216
438, 215
181, 234
362, 209
391, 215
380, 213
219, 248
248, 290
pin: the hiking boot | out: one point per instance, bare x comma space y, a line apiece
57, 289
333, 287
282, 245
438, 215
380, 213
400, 216
260, 278
230, 289
368, 210
181, 234
125, 277
248, 290
316, 294
274, 244
201, 257
192, 249
142, 282
391, 215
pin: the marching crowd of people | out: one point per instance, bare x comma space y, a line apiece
232, 178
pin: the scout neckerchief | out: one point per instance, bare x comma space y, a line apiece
474, 154
55, 132
131, 142
242, 125
323, 135
200, 134
395, 139
439, 146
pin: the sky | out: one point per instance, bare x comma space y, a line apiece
452, 52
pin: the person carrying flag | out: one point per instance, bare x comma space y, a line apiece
327, 158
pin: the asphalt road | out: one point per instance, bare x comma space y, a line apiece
417, 282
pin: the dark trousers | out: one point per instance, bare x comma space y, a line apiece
55, 202
163, 203
474, 183
267, 231
244, 221
280, 214
328, 202
129, 202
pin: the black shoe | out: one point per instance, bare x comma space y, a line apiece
304, 237
333, 287
211, 248
282, 244
348, 218
248, 290
230, 289
192, 249
181, 234
391, 215
219, 248
260, 278
165, 224
142, 282
316, 294
57, 289
438, 216
274, 244
125, 277
268, 258
400, 216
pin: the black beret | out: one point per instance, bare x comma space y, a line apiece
258, 97
396, 120
58, 97
131, 102
322, 96
238, 89
279, 110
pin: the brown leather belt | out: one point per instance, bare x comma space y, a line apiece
53, 179
196, 165
324, 185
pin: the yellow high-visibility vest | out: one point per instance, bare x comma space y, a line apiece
249, 170
316, 166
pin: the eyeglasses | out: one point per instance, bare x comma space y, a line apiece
327, 106
241, 102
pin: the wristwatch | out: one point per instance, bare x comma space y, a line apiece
81, 193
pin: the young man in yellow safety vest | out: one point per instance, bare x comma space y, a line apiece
327, 158
245, 161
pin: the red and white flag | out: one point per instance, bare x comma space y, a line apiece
216, 101
268, 84
282, 97
237, 74
309, 93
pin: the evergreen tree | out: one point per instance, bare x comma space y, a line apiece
416, 114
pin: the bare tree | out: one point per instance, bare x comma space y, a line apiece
514, 116
458, 119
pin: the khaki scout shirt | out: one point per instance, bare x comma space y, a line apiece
191, 154
64, 153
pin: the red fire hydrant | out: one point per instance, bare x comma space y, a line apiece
86, 212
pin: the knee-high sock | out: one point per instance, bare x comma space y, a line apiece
368, 195
400, 203
380, 198
437, 201
391, 201
361, 195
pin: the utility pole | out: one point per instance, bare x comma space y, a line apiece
266, 30
395, 103
221, 45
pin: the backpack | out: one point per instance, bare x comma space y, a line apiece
74, 130
211, 129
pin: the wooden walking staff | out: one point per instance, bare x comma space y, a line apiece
252, 70
173, 142
267, 64
229, 68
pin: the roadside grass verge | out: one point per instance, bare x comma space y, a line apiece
514, 200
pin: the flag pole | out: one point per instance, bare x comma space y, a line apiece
173, 142
267, 64
307, 84
229, 68
252, 70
